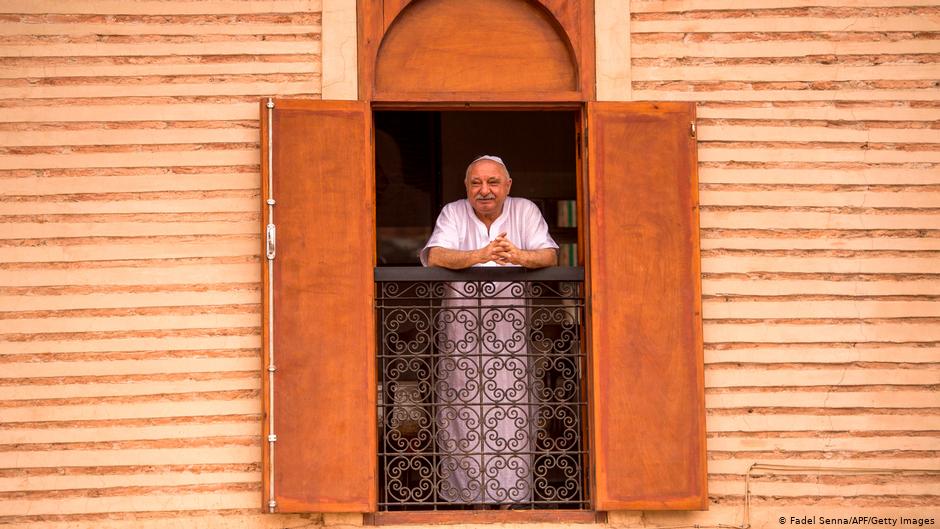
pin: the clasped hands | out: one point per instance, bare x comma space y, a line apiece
501, 250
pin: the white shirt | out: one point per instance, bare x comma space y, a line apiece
458, 228
498, 397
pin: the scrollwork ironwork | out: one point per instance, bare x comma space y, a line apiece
481, 394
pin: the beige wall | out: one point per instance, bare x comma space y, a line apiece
129, 283
820, 182
129, 257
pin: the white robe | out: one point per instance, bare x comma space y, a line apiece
485, 430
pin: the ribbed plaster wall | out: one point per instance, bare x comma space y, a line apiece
819, 149
130, 272
129, 255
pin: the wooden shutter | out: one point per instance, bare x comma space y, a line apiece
323, 326
645, 298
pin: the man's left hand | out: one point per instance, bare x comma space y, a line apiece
507, 252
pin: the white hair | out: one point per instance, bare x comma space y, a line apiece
491, 158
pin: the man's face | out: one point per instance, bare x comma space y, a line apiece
487, 188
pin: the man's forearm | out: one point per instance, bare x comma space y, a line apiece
453, 259
538, 258
460, 259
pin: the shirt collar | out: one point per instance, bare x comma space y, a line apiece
497, 224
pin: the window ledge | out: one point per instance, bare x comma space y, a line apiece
472, 517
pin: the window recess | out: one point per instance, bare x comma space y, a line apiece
642, 311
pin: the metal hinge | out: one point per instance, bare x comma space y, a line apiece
270, 241
692, 129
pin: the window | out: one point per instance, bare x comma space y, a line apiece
643, 319
480, 380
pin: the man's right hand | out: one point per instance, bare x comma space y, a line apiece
492, 251
460, 259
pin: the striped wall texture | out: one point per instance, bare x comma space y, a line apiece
819, 129
130, 267
130, 276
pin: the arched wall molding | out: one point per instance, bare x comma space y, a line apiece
444, 50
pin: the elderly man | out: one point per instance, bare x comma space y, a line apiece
489, 227
484, 411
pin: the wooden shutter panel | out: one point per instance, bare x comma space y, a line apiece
645, 299
323, 325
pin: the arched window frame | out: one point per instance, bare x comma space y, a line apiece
640, 209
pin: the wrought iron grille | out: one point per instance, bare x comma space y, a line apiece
480, 395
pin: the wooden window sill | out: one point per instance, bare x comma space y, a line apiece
470, 517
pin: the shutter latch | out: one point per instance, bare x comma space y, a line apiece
692, 129
271, 241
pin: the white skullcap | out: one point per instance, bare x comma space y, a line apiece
496, 159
